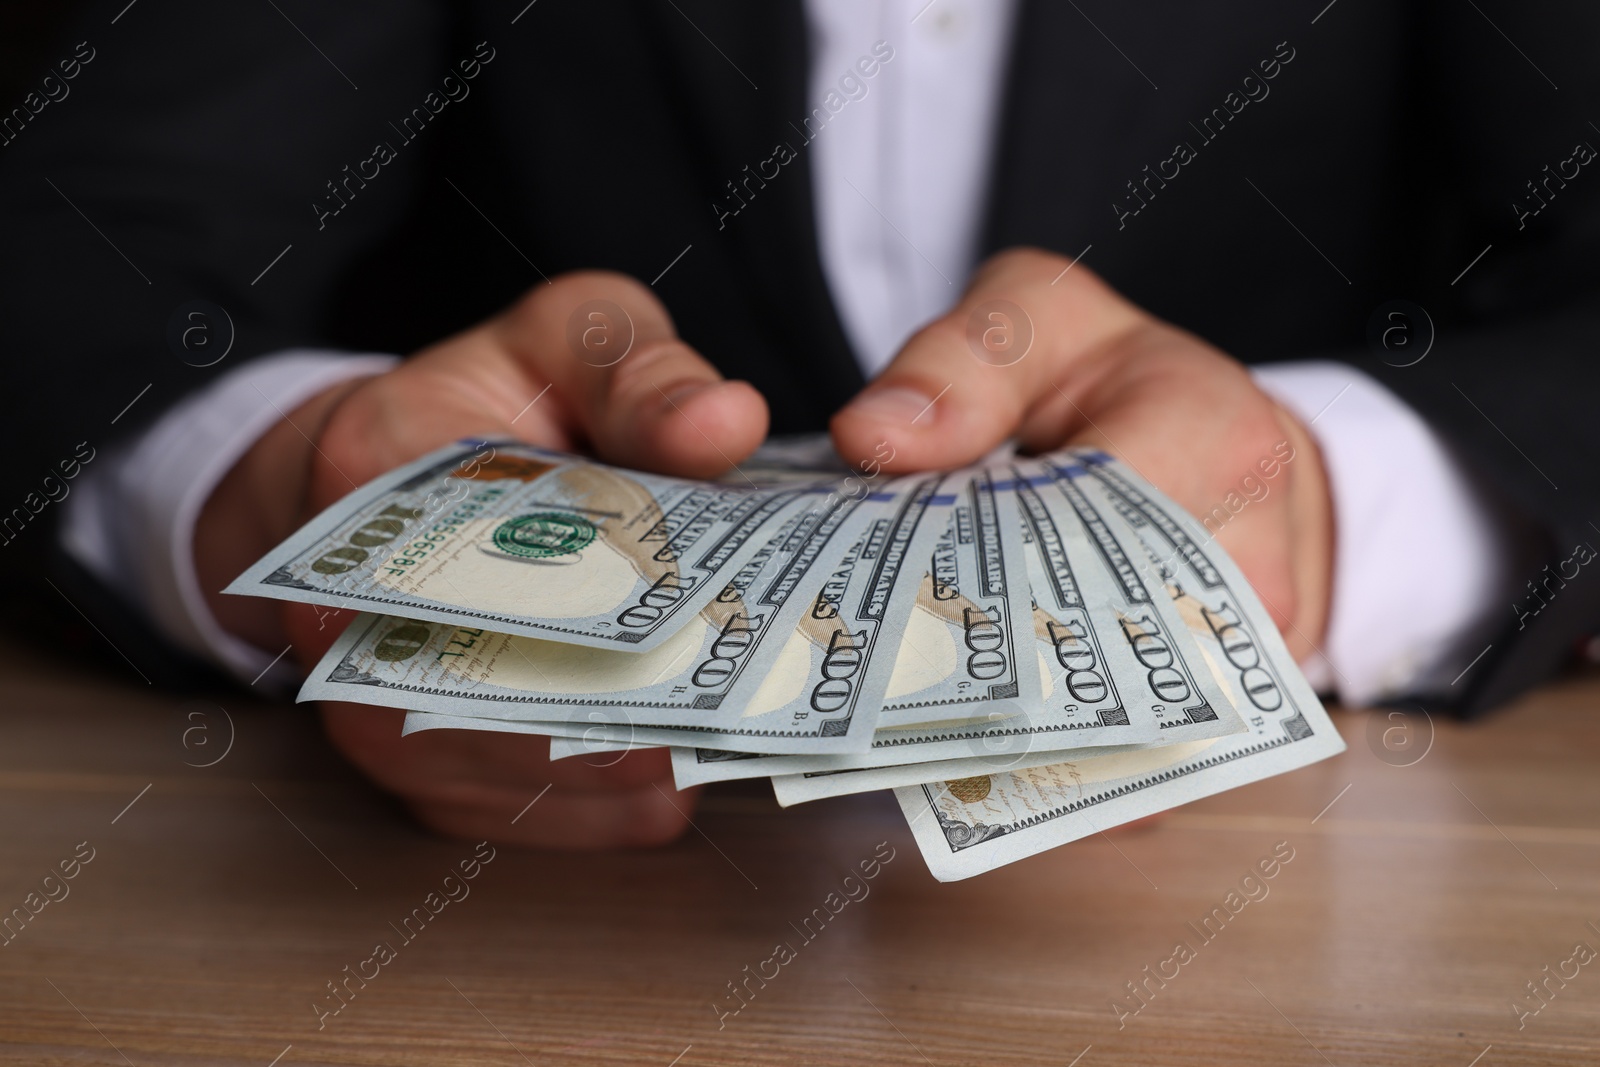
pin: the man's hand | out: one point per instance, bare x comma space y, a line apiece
540, 371
1099, 371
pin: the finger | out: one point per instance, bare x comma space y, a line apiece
311, 629
370, 737
478, 784
1192, 423
640, 396
642, 817
1023, 331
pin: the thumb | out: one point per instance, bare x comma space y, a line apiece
966, 381
640, 396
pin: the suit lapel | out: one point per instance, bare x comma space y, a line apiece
741, 70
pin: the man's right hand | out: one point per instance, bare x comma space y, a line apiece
547, 371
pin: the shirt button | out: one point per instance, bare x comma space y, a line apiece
947, 21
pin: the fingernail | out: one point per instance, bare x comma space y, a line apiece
893, 404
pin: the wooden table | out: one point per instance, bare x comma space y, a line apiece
221, 900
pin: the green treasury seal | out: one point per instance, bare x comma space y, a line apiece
544, 535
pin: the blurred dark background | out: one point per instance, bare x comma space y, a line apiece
27, 32
31, 36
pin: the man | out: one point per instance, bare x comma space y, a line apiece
810, 215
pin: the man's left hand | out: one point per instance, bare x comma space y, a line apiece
1040, 349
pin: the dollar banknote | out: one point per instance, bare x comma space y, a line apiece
830, 673
598, 740
1026, 651
508, 537
928, 757
965, 826
820, 690
600, 743
967, 651
678, 692
1157, 673
1098, 763
966, 657
1118, 664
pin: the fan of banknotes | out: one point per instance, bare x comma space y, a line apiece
1027, 651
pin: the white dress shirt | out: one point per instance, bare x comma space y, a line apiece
899, 173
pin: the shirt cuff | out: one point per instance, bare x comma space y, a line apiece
131, 523
1421, 555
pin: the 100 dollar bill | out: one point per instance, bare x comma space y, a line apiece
679, 692
509, 537
970, 825
968, 648
1120, 668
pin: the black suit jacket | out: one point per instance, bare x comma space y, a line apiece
1262, 174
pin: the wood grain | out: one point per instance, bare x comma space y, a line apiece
218, 905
